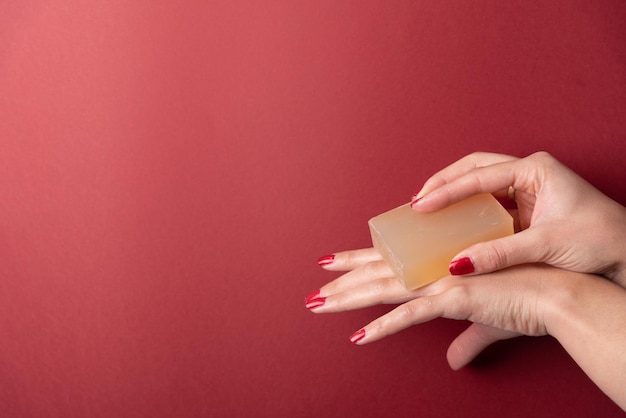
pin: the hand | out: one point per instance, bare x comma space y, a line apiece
369, 281
524, 300
564, 221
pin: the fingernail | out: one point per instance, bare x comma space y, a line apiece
357, 336
461, 266
314, 300
327, 259
415, 200
314, 295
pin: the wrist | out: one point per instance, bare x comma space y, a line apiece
588, 318
574, 301
561, 302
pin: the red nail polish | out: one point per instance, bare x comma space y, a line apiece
314, 295
315, 303
357, 336
327, 259
461, 266
314, 300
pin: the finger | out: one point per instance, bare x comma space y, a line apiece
381, 291
472, 341
529, 246
414, 312
348, 260
459, 168
491, 179
369, 285
360, 276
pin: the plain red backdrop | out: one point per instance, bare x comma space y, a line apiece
170, 172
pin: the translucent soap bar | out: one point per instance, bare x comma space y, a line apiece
419, 247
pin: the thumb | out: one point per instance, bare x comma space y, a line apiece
528, 246
472, 341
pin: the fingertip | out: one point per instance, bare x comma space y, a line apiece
461, 266
314, 300
463, 349
348, 260
358, 336
326, 260
454, 366
418, 202
455, 356
415, 200
417, 196
430, 201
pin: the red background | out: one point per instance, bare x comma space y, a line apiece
171, 171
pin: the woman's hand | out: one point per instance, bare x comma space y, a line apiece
585, 313
501, 306
564, 221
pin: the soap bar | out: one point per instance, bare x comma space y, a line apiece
419, 246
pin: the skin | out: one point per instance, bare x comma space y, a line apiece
564, 221
544, 280
531, 300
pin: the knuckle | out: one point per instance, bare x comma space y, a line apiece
407, 312
496, 257
476, 156
460, 290
541, 155
388, 283
412, 312
461, 294
367, 270
372, 270
542, 245
476, 182
385, 290
346, 258
543, 158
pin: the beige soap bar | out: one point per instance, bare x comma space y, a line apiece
419, 247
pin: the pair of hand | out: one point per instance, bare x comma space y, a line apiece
569, 235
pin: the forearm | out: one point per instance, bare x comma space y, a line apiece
589, 320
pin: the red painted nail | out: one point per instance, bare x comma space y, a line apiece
357, 336
314, 300
314, 295
315, 303
461, 266
327, 259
